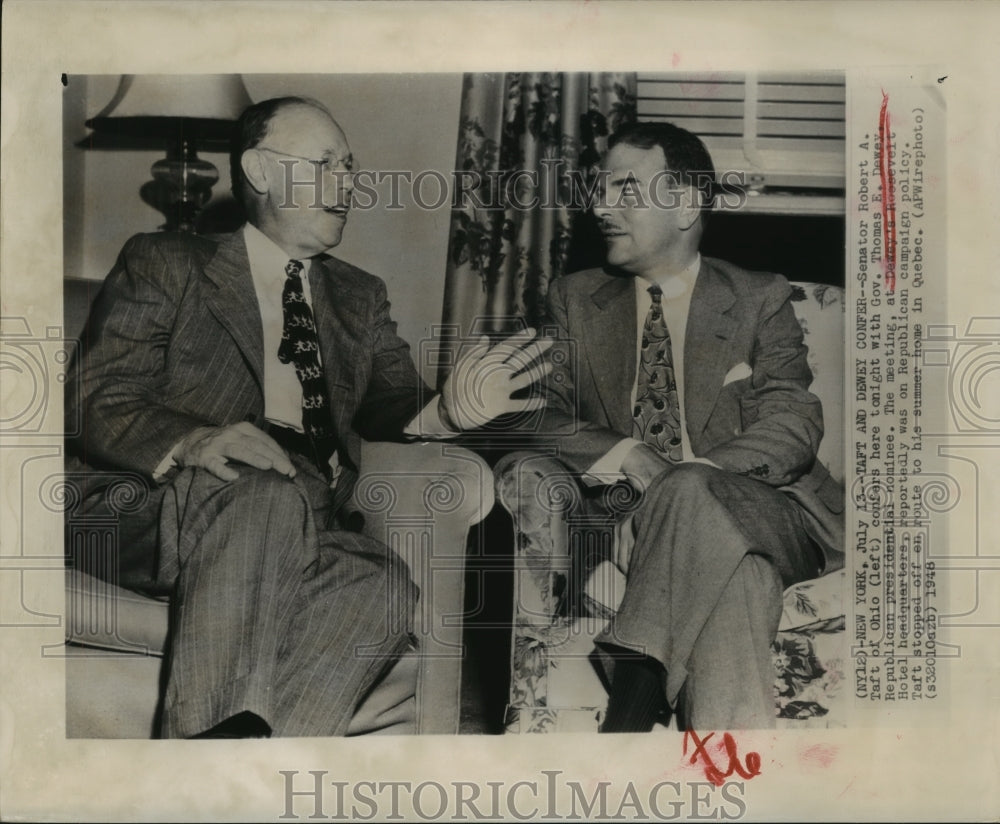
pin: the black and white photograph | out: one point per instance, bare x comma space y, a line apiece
467, 438
153, 393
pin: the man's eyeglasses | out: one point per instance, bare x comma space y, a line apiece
329, 165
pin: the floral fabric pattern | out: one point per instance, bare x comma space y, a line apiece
527, 147
808, 654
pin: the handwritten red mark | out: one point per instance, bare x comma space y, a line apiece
747, 770
822, 754
888, 181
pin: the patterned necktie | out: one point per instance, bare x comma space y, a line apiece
300, 347
656, 417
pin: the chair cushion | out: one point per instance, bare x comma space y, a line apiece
102, 615
111, 695
105, 617
810, 684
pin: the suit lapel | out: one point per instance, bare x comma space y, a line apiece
234, 301
339, 312
610, 329
710, 327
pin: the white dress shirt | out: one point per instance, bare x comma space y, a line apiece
675, 302
282, 390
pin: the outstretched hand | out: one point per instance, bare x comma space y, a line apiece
480, 386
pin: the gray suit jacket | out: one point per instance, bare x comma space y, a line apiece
767, 426
174, 342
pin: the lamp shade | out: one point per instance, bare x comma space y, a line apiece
150, 110
180, 114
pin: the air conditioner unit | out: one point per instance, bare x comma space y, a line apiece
784, 133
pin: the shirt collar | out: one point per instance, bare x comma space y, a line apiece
677, 284
266, 257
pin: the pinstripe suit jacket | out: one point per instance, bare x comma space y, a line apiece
174, 342
767, 425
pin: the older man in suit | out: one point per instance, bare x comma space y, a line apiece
688, 380
239, 373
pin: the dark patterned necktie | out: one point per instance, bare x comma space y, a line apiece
300, 347
656, 417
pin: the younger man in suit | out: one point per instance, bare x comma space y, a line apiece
706, 411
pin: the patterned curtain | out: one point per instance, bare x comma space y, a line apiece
527, 148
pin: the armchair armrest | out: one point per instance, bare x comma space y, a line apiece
421, 479
539, 493
420, 499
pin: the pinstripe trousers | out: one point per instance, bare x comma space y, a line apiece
275, 611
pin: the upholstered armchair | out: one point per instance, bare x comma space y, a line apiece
420, 499
562, 589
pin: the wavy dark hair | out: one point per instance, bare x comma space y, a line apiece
685, 153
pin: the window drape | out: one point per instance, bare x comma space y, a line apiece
527, 147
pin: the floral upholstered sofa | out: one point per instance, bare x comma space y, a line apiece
558, 598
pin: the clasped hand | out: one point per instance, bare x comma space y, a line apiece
643, 464
212, 447
480, 387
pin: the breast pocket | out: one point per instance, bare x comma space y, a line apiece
728, 415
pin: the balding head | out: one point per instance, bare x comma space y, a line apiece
292, 173
251, 129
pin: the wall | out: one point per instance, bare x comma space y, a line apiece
392, 121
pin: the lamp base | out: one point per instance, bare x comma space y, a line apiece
182, 184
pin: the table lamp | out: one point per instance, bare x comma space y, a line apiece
179, 114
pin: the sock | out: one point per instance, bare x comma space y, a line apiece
636, 699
